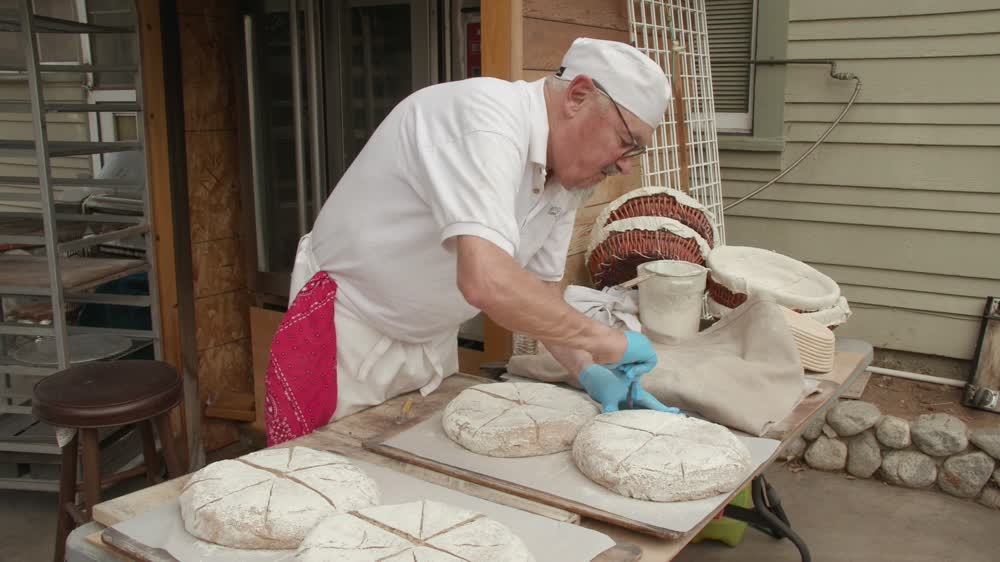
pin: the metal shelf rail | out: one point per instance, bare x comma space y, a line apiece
66, 274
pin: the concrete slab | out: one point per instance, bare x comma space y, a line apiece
860, 520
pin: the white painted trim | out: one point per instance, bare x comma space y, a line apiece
734, 122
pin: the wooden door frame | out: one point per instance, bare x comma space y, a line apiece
501, 43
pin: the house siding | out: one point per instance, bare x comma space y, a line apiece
61, 126
901, 204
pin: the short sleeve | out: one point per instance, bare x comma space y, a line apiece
549, 263
470, 185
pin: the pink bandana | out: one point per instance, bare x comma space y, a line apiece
302, 374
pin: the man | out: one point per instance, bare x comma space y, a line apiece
462, 201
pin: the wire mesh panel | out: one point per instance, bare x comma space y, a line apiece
684, 153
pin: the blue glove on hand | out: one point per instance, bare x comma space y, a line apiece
639, 359
610, 390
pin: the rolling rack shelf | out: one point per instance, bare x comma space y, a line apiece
57, 256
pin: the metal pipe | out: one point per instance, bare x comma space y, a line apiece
316, 167
834, 74
916, 376
298, 131
253, 103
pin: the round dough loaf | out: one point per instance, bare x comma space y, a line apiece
425, 530
271, 498
660, 457
515, 419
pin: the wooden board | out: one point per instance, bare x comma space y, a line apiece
263, 325
984, 387
857, 388
76, 273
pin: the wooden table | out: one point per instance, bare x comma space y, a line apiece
346, 436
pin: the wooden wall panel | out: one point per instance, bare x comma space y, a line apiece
209, 46
218, 267
595, 13
222, 319
208, 70
220, 8
549, 28
160, 186
226, 369
545, 42
213, 192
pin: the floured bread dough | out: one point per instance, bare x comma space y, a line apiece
425, 530
515, 419
660, 457
270, 499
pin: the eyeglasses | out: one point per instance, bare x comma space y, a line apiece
636, 149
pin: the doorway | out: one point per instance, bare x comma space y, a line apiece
319, 78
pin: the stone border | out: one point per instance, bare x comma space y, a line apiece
932, 451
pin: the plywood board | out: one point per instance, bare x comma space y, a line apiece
222, 319
984, 388
207, 51
263, 325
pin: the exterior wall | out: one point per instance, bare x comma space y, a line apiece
62, 126
222, 313
901, 205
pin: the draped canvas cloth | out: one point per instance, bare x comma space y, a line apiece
302, 372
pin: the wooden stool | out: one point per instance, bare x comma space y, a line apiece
92, 396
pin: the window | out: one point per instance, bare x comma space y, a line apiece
749, 99
110, 87
731, 26
52, 47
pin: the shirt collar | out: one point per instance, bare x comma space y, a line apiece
538, 141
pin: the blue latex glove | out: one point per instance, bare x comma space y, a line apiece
610, 390
639, 359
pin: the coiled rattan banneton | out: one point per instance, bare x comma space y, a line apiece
724, 296
829, 317
662, 205
658, 201
616, 259
739, 271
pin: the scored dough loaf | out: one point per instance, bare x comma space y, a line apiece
517, 419
660, 457
271, 498
426, 530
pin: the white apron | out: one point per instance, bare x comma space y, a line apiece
372, 367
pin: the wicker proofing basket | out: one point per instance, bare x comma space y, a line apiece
829, 317
661, 202
737, 271
622, 246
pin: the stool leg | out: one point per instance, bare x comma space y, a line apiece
91, 471
149, 452
169, 445
67, 494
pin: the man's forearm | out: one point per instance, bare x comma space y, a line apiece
573, 360
494, 282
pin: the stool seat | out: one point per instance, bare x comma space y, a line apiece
105, 394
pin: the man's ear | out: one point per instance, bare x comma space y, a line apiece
579, 89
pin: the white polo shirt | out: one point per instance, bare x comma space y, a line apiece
460, 158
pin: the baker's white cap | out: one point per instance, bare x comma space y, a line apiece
630, 77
